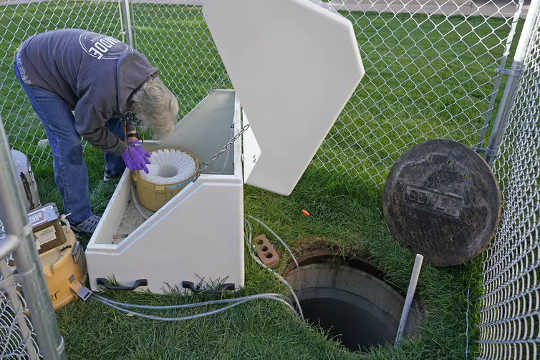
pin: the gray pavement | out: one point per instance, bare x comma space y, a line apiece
494, 8
16, 2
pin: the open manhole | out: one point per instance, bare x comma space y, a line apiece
354, 306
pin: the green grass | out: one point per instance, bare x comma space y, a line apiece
394, 107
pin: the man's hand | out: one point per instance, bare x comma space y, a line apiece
135, 157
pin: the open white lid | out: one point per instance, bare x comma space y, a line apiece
294, 66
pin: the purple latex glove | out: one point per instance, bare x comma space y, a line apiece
135, 157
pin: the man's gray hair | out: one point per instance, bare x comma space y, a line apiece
156, 106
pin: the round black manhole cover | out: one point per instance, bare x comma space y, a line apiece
442, 201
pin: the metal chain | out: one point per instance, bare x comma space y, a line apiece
225, 148
216, 155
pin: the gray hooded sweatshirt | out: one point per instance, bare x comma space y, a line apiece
94, 74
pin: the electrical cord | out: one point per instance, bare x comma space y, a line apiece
184, 306
248, 239
189, 317
137, 204
276, 236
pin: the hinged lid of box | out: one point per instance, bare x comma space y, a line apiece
294, 66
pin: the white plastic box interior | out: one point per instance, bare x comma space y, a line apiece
293, 65
197, 234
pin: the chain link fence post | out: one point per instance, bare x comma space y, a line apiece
127, 22
500, 71
514, 78
29, 271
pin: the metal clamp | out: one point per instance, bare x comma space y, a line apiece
515, 70
486, 151
176, 186
82, 292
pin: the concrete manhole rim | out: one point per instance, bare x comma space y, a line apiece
337, 267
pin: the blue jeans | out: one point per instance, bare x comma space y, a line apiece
70, 172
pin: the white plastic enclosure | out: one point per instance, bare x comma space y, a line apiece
199, 233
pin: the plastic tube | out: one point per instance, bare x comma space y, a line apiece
408, 300
185, 306
189, 317
275, 235
280, 278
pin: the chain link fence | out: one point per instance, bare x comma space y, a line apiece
434, 69
510, 314
17, 337
19, 20
175, 38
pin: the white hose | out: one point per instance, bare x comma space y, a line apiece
190, 317
276, 236
184, 306
279, 277
137, 204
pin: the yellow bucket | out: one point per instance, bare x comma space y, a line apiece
153, 196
